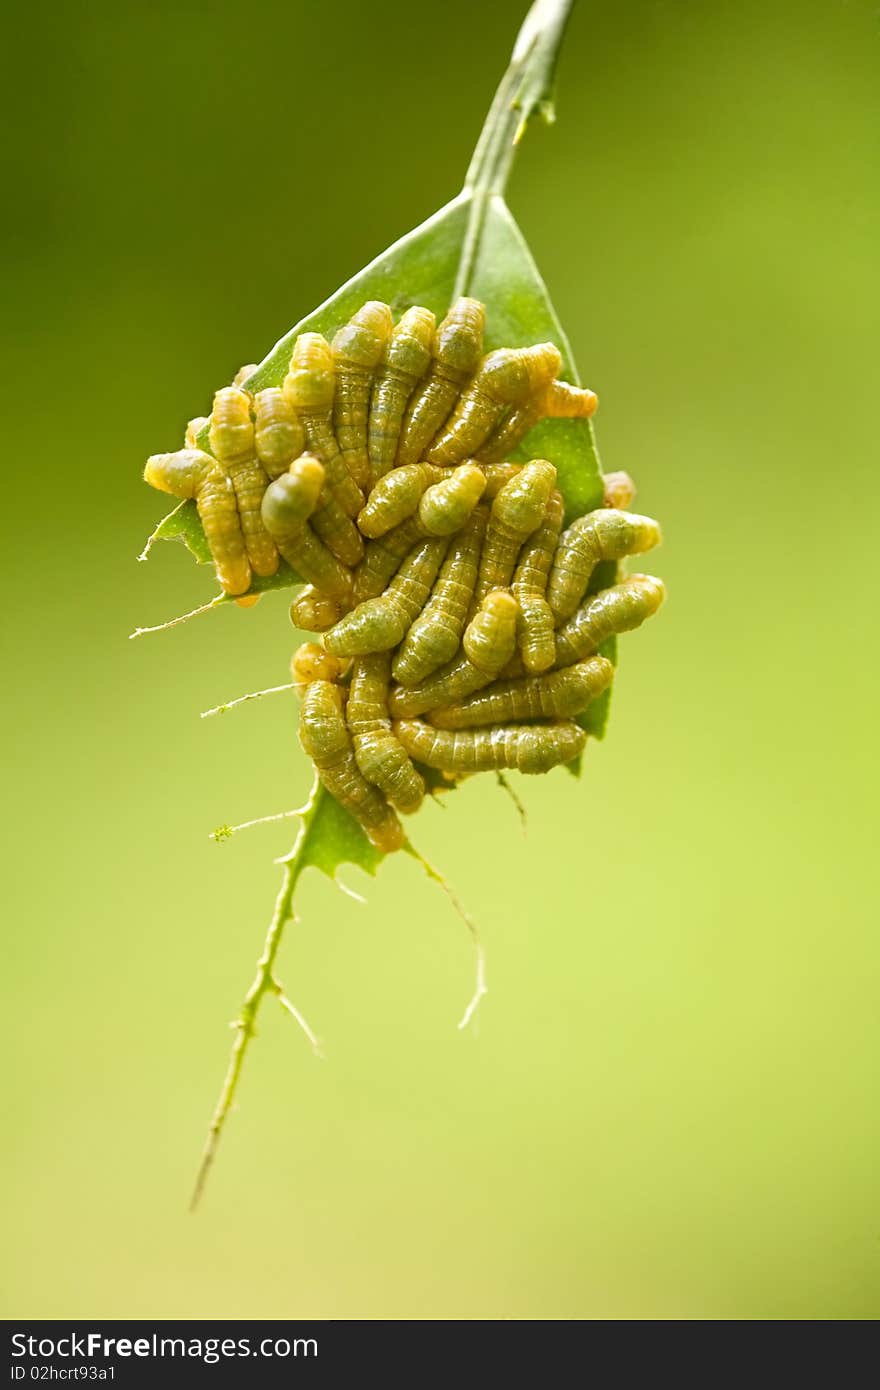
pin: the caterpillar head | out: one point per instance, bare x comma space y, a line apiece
458, 341
180, 473
311, 378
289, 501
363, 340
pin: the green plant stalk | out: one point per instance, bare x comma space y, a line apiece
526, 87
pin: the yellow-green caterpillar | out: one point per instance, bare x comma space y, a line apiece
232, 443
506, 377
537, 645
380, 756
396, 496
558, 400
555, 694
310, 387
488, 644
279, 437
406, 361
358, 348
379, 624
314, 611
192, 473
310, 662
435, 636
288, 504
606, 534
528, 748
517, 511
455, 356
619, 609
326, 740
443, 509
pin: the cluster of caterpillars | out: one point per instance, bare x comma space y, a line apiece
461, 630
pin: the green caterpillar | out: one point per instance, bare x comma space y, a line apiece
325, 739
232, 443
528, 748
310, 387
600, 535
288, 504
405, 363
380, 756
435, 636
619, 609
488, 644
506, 377
556, 694
192, 473
358, 348
379, 624
537, 645
517, 511
455, 356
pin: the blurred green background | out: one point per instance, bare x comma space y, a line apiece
669, 1107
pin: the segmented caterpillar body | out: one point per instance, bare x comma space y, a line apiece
396, 496
528, 748
506, 377
380, 755
455, 356
379, 624
517, 511
605, 534
192, 473
232, 443
435, 636
314, 611
279, 436
358, 348
488, 644
535, 639
556, 694
288, 503
325, 738
406, 361
621, 608
310, 387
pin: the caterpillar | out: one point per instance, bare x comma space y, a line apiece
435, 636
325, 738
279, 436
310, 662
310, 387
529, 748
455, 356
619, 609
506, 377
192, 473
379, 754
488, 644
357, 349
232, 443
314, 611
557, 694
618, 490
441, 513
288, 504
601, 535
558, 400
378, 624
396, 496
406, 361
516, 512
537, 645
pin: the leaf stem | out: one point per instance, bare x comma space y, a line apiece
526, 87
264, 982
